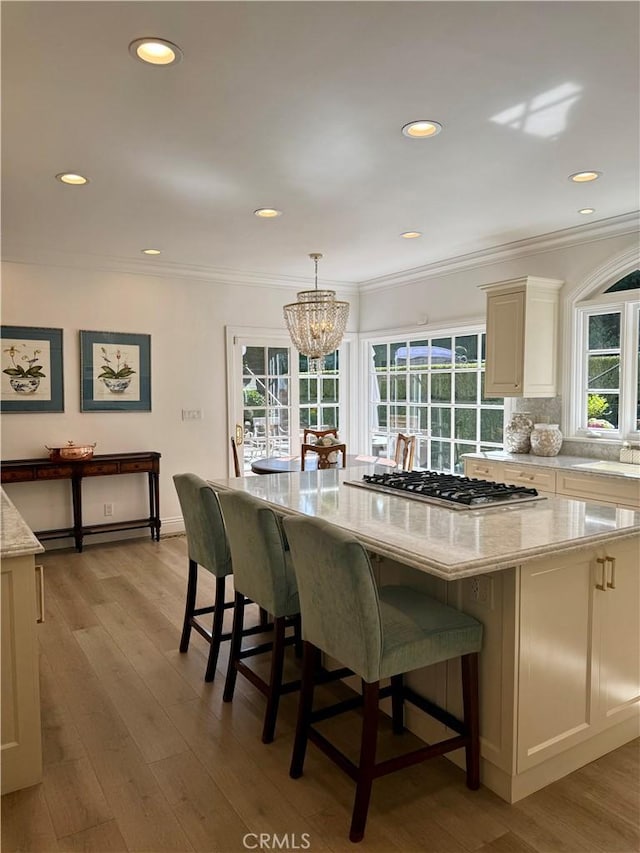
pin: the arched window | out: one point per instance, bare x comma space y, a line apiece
605, 399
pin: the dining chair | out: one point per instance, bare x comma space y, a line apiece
323, 454
378, 633
318, 433
405, 451
207, 548
263, 574
236, 461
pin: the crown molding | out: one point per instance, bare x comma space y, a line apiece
616, 226
163, 269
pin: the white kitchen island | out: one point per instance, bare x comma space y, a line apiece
556, 584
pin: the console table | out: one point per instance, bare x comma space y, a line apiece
40, 470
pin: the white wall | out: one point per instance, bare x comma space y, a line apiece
447, 297
186, 320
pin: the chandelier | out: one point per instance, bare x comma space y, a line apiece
316, 322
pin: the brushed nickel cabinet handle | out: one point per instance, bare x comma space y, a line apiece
40, 592
602, 562
612, 583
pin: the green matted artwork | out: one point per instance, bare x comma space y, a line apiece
31, 377
115, 372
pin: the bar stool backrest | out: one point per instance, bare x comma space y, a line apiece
262, 570
338, 595
204, 526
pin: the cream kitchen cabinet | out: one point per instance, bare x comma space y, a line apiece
522, 337
20, 730
564, 482
579, 629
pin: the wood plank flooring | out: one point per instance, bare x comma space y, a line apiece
141, 755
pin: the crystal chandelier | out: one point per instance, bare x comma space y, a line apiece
316, 322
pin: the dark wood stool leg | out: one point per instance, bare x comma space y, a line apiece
310, 661
236, 645
190, 606
471, 704
367, 763
275, 681
297, 634
264, 618
397, 704
216, 634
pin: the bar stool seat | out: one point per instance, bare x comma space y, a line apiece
377, 633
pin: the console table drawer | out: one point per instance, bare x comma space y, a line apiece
140, 465
60, 472
93, 469
23, 475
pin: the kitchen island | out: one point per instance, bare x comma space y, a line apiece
556, 584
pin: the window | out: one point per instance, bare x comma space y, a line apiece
320, 393
433, 388
606, 398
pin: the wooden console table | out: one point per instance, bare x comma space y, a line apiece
39, 470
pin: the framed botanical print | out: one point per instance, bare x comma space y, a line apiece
31, 377
115, 370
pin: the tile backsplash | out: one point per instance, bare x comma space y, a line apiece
549, 410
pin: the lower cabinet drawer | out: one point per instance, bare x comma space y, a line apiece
527, 475
479, 470
617, 490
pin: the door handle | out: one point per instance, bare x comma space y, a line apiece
239, 435
612, 583
601, 561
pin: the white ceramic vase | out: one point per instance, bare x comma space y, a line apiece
546, 440
517, 433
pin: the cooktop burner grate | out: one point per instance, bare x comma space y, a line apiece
446, 489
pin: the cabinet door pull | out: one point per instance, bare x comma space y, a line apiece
601, 561
612, 583
40, 592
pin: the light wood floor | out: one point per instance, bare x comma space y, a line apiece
141, 755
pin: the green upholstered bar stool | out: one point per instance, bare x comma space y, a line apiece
207, 547
378, 633
264, 574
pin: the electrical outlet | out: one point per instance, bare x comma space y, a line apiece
108, 510
192, 414
480, 590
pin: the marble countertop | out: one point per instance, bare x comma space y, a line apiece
611, 468
448, 543
17, 537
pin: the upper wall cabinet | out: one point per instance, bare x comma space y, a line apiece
522, 337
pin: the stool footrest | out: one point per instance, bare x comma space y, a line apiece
261, 684
419, 755
433, 710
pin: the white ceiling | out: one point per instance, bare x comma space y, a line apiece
299, 106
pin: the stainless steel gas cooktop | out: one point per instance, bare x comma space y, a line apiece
446, 489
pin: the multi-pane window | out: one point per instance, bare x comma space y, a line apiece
433, 388
320, 393
607, 402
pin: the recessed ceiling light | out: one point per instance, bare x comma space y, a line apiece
422, 129
267, 212
71, 178
585, 211
150, 251
584, 177
155, 51
411, 235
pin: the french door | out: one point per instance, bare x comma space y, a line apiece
272, 396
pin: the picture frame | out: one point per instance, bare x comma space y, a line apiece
115, 372
31, 377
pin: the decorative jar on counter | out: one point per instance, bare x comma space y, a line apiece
517, 433
546, 440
